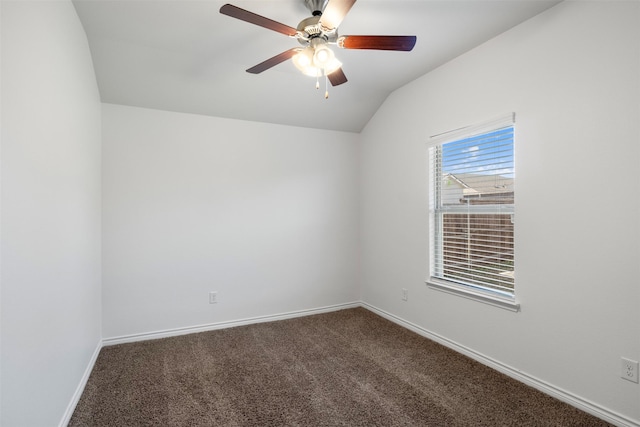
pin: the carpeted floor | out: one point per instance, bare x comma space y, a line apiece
346, 368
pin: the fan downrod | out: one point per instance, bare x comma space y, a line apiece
316, 7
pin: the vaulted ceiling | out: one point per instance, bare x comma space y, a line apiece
184, 56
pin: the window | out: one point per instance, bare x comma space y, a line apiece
472, 212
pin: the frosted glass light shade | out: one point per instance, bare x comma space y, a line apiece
323, 56
303, 61
316, 61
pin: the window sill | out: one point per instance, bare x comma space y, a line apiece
486, 297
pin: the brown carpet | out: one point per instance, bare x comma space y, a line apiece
346, 368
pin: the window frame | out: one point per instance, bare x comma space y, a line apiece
489, 296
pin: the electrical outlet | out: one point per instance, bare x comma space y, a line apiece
405, 294
213, 297
629, 370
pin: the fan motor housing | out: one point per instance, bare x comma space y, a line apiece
310, 29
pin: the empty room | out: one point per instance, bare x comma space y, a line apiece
319, 212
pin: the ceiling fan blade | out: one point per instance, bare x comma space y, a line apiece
272, 62
337, 77
334, 13
252, 18
403, 43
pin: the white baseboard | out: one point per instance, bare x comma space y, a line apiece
223, 325
560, 394
83, 382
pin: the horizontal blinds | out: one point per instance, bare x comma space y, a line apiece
476, 250
472, 208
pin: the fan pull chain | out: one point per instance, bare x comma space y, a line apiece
326, 86
317, 81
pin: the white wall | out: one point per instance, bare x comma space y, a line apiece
572, 75
51, 320
265, 215
268, 215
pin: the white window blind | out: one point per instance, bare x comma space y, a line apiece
472, 211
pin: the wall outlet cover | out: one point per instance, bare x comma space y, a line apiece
213, 297
629, 370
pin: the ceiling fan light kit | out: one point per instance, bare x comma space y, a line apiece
316, 61
316, 33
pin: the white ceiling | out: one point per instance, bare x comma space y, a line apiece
183, 55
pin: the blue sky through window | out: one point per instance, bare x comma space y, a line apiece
490, 153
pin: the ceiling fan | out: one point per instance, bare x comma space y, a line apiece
315, 34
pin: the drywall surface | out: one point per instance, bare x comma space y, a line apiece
264, 215
51, 320
572, 76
